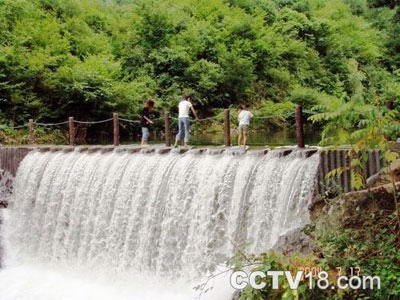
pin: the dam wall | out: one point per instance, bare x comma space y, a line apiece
11, 157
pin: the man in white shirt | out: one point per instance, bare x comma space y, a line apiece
244, 123
184, 120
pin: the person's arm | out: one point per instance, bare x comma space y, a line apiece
148, 120
194, 112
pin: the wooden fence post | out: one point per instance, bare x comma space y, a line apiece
227, 128
299, 126
31, 132
71, 127
167, 129
116, 129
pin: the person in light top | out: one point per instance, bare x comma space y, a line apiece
244, 122
184, 120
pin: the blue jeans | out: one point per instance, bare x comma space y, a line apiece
145, 134
184, 133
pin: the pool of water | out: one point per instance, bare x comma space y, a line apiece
208, 135
259, 137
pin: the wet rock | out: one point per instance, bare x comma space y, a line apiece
309, 153
1, 246
3, 204
6, 187
198, 150
134, 149
294, 241
216, 151
180, 150
164, 150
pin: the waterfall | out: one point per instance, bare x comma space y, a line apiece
176, 216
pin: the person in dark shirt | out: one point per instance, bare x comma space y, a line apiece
146, 116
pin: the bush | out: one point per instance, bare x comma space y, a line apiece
13, 137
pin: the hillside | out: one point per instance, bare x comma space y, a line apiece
86, 58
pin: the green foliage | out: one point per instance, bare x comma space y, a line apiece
55, 60
353, 118
271, 261
88, 58
367, 239
12, 137
361, 124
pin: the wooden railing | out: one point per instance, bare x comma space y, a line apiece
31, 124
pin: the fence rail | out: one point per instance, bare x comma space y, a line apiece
31, 124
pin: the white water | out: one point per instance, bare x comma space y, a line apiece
119, 225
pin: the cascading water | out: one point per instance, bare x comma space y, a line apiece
174, 217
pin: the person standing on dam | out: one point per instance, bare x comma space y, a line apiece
146, 115
184, 120
244, 122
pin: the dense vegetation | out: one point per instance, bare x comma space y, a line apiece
87, 58
354, 235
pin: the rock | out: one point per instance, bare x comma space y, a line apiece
394, 170
385, 175
373, 179
1, 247
294, 241
317, 208
6, 187
348, 210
